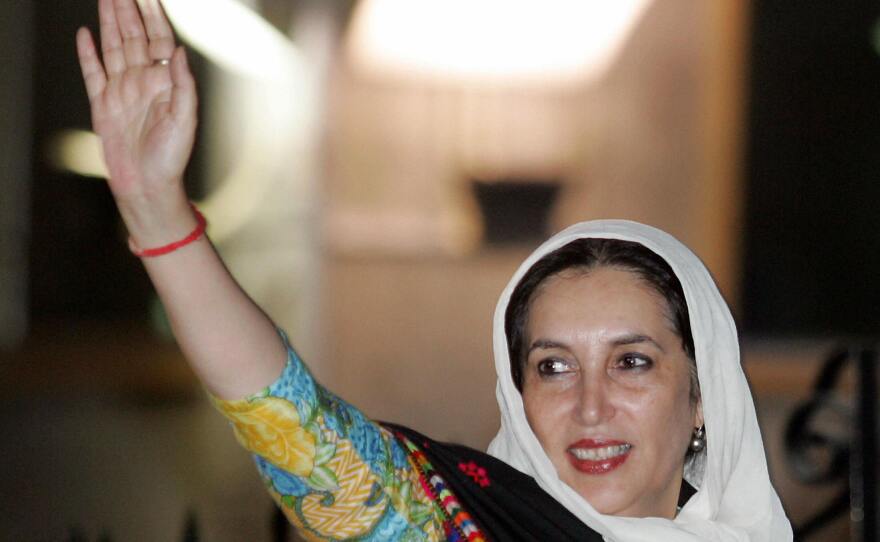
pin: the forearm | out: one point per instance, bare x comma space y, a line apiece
143, 100
231, 344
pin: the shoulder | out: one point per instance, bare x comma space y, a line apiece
500, 502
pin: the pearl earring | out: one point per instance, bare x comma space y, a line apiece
698, 440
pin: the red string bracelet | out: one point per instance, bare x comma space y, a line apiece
171, 247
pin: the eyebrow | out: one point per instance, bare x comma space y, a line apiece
545, 344
636, 339
623, 340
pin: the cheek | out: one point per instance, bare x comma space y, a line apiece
532, 406
542, 412
666, 415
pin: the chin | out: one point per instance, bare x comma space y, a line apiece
629, 510
612, 494
611, 501
611, 508
616, 501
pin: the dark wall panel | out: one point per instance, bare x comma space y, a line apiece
813, 169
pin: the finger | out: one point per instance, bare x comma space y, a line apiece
183, 96
92, 70
158, 30
111, 41
134, 39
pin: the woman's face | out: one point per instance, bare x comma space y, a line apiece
607, 390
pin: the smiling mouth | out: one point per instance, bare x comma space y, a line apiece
592, 457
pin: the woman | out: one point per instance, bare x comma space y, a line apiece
734, 498
600, 400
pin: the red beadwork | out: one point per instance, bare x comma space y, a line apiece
476, 472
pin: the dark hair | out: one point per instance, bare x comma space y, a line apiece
585, 255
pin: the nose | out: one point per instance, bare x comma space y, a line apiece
595, 404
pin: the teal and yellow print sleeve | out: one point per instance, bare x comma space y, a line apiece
334, 473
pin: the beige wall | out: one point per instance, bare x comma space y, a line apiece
656, 139
407, 290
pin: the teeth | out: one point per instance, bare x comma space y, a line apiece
599, 454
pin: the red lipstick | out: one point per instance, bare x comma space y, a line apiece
615, 453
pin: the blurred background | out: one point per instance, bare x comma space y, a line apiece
373, 172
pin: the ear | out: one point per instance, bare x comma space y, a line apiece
698, 414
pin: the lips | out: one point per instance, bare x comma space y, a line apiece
598, 456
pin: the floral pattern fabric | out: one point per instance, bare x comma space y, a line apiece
335, 474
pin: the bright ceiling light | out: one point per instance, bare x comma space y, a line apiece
234, 37
492, 39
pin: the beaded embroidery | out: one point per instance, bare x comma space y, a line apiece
476, 472
457, 522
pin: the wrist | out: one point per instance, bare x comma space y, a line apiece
193, 236
156, 220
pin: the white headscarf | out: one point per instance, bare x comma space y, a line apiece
734, 501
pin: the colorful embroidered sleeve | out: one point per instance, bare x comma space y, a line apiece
335, 474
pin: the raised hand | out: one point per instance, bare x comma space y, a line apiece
144, 111
143, 103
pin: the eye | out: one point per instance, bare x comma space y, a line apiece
634, 361
553, 366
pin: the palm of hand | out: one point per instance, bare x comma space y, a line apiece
145, 145
142, 96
